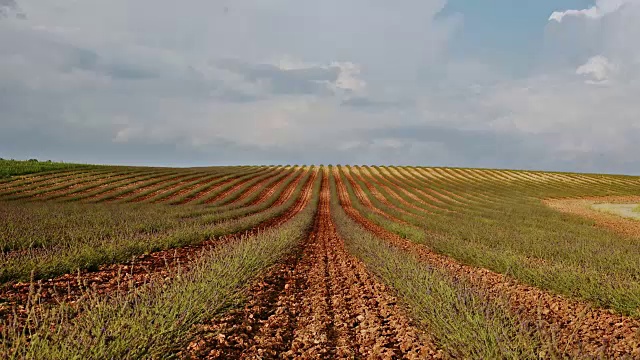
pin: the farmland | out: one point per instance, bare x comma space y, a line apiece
316, 262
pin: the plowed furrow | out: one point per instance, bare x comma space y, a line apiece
33, 182
32, 190
130, 190
394, 191
106, 189
232, 190
77, 188
178, 194
375, 192
579, 329
259, 186
267, 193
406, 183
364, 199
205, 192
321, 304
156, 186
428, 192
167, 189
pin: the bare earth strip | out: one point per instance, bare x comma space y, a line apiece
201, 194
365, 199
26, 191
259, 186
320, 303
583, 207
132, 195
370, 178
195, 197
79, 187
266, 193
578, 328
369, 183
220, 198
161, 190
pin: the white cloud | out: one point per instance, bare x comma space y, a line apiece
591, 12
598, 69
365, 81
602, 8
348, 78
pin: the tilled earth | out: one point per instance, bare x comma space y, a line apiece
320, 303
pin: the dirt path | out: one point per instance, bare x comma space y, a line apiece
579, 329
584, 207
320, 303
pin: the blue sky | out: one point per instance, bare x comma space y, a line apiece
505, 24
510, 33
508, 84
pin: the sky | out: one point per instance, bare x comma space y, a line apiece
548, 85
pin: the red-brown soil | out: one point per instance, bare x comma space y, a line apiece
205, 192
106, 179
41, 180
375, 192
415, 177
159, 186
367, 177
29, 190
320, 303
266, 193
167, 188
579, 329
236, 188
129, 187
98, 193
364, 199
253, 188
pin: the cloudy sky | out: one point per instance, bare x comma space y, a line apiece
496, 83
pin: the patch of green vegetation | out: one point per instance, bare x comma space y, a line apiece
46, 239
504, 227
157, 320
637, 209
17, 167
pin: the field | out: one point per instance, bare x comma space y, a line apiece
316, 262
